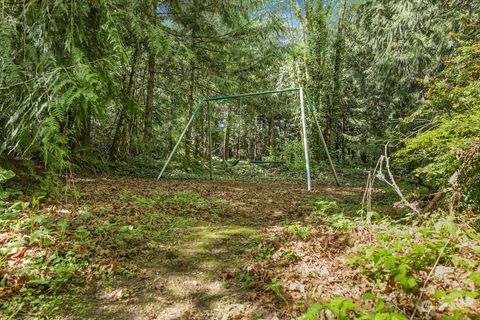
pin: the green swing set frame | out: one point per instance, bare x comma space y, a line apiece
302, 94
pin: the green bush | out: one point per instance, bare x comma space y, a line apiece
400, 253
345, 309
450, 139
293, 155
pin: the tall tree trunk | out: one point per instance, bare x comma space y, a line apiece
205, 150
148, 118
191, 89
119, 131
200, 135
188, 135
303, 19
85, 130
171, 141
226, 138
237, 152
271, 145
337, 109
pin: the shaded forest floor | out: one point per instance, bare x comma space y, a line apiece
199, 272
137, 248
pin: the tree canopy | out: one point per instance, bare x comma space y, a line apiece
97, 90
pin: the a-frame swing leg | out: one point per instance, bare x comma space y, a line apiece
210, 142
322, 139
194, 113
305, 141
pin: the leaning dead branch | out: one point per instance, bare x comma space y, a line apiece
383, 161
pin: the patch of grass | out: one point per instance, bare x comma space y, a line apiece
144, 201
189, 198
170, 228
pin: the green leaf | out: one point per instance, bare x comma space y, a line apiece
6, 175
475, 277
368, 296
405, 281
312, 312
379, 305
439, 294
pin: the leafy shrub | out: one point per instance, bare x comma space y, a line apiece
325, 210
449, 143
293, 155
325, 206
400, 252
246, 280
299, 230
276, 287
4, 176
265, 253
340, 307
340, 222
345, 309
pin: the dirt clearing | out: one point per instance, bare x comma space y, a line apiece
197, 273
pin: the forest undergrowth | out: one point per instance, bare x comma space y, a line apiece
123, 247
348, 268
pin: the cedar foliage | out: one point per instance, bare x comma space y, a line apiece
447, 142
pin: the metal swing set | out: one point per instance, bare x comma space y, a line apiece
303, 96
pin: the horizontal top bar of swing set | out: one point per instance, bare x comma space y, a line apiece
251, 94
